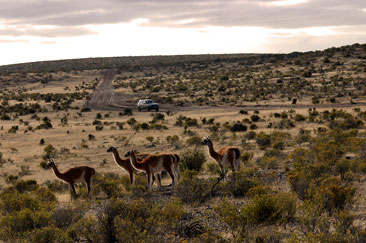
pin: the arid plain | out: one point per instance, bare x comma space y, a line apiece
298, 120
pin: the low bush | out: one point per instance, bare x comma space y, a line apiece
85, 109
173, 140
300, 183
255, 118
56, 186
237, 184
48, 234
25, 208
263, 140
194, 140
192, 189
238, 127
267, 208
192, 160
86, 228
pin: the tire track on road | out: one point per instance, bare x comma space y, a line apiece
104, 98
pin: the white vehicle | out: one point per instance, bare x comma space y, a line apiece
148, 105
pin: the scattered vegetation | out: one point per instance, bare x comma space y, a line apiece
302, 170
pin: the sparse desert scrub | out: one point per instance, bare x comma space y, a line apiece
303, 169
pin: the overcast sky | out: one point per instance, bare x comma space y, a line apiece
35, 30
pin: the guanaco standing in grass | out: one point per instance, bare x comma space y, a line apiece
126, 163
154, 164
225, 157
74, 175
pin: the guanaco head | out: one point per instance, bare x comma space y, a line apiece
129, 153
206, 141
111, 149
50, 163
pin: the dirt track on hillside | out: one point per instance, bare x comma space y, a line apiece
104, 98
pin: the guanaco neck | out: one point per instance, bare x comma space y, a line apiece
134, 161
118, 159
212, 151
57, 172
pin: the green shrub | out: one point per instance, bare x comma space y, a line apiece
342, 167
237, 184
253, 127
5, 117
168, 214
91, 137
303, 136
346, 124
263, 208
97, 122
109, 184
336, 196
192, 160
28, 185
50, 152
99, 128
86, 228
23, 221
85, 109
144, 126
13, 129
283, 115
195, 140
192, 189
56, 185
250, 135
11, 179
128, 221
238, 127
246, 156
263, 140
213, 168
299, 118
284, 124
268, 162
255, 118
48, 234
45, 125
191, 122
157, 117
173, 140
300, 183
279, 145
268, 208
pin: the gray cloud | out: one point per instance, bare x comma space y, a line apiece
73, 14
282, 43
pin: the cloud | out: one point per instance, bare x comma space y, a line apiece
44, 31
177, 13
13, 41
314, 38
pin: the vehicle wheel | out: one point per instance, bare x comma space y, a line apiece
157, 109
148, 109
139, 109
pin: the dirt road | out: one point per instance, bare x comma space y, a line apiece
105, 98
